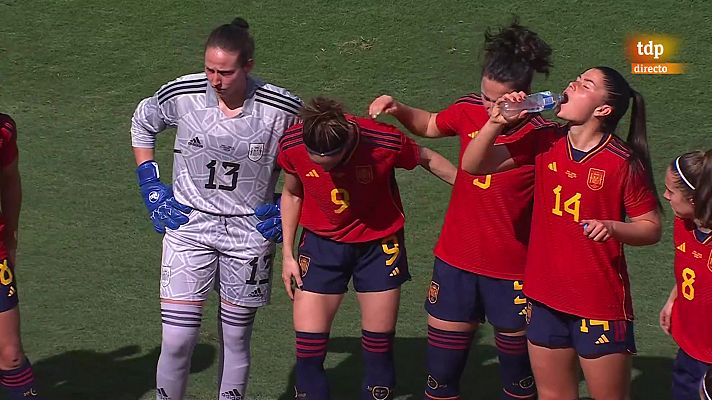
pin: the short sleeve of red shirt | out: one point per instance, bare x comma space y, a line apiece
524, 150
638, 196
409, 156
8, 140
448, 119
284, 163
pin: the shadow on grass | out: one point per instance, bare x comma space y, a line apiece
123, 374
345, 378
651, 378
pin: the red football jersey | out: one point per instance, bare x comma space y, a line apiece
486, 227
692, 309
357, 201
8, 154
566, 270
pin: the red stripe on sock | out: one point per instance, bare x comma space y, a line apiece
19, 376
312, 348
511, 347
376, 349
305, 340
310, 355
17, 380
445, 346
449, 339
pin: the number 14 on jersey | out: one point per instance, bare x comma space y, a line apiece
571, 206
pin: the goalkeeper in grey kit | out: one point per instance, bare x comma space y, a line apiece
228, 127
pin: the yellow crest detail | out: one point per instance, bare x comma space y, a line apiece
596, 178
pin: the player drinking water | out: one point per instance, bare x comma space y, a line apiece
586, 181
481, 252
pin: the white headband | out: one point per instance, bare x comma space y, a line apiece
682, 176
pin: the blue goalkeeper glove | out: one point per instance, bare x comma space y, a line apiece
271, 225
164, 209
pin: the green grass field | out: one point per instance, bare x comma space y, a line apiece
71, 73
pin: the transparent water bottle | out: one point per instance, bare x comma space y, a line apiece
534, 103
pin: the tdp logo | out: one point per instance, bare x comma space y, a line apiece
651, 54
650, 49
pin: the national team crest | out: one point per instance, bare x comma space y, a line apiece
595, 178
709, 262
433, 292
364, 174
529, 312
256, 151
380, 392
527, 382
165, 276
304, 265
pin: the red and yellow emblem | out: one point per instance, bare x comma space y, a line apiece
304, 265
528, 312
709, 262
595, 178
364, 174
433, 291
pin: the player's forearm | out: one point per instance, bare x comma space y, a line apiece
142, 154
11, 202
438, 165
673, 294
419, 122
291, 208
481, 148
637, 233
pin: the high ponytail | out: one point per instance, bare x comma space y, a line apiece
619, 96
513, 54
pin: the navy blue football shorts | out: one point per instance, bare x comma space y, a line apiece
590, 338
327, 266
8, 286
687, 376
462, 296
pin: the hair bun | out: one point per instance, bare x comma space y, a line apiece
239, 22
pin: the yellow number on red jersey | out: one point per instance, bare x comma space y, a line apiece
688, 278
483, 185
340, 197
571, 206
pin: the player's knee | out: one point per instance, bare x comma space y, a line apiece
237, 340
11, 357
236, 336
178, 343
236, 325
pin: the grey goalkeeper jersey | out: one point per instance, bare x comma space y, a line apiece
221, 165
